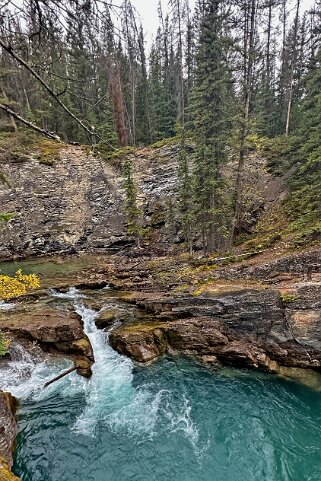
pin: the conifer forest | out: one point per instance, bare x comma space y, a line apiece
228, 76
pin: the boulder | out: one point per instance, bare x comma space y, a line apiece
106, 318
143, 342
54, 330
44, 325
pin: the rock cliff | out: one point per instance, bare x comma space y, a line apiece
68, 199
77, 201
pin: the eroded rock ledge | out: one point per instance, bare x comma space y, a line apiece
8, 431
54, 330
251, 328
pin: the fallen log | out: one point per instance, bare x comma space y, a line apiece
63, 374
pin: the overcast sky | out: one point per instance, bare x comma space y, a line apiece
148, 12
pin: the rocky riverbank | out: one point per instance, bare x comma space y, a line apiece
249, 328
262, 313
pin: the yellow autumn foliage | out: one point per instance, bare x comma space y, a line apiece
17, 285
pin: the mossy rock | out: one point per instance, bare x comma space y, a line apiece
108, 154
107, 318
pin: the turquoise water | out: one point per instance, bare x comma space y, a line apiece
47, 267
175, 420
195, 424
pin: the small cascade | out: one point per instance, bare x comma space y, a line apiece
19, 354
110, 397
6, 306
72, 293
25, 374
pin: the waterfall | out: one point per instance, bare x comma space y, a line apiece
110, 397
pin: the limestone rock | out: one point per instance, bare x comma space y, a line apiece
44, 325
106, 318
142, 343
255, 328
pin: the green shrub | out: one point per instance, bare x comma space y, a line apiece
5, 217
4, 344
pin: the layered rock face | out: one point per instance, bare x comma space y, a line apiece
77, 202
8, 431
252, 328
72, 203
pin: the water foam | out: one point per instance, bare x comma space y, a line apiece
25, 376
111, 399
6, 306
72, 293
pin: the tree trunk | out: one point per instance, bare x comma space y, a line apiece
13, 114
293, 65
118, 101
249, 54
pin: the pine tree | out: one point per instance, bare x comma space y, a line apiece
211, 114
162, 85
133, 212
305, 199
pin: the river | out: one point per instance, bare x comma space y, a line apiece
174, 420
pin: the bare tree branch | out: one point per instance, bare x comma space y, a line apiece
20, 60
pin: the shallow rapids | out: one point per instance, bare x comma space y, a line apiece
174, 420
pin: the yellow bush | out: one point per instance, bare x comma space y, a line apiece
17, 285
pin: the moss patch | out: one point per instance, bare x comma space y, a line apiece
162, 143
286, 297
106, 153
48, 151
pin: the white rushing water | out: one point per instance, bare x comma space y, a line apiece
110, 396
6, 306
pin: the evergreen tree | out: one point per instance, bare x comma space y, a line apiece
162, 100
133, 212
305, 200
211, 114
